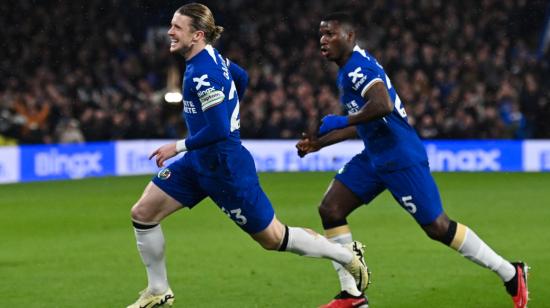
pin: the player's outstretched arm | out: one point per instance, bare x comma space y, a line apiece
308, 144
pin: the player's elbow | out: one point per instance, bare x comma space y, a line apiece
382, 109
218, 134
244, 80
386, 107
242, 84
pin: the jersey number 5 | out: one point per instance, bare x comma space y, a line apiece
408, 205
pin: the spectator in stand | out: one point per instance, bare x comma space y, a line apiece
68, 131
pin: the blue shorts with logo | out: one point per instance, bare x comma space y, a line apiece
413, 187
228, 178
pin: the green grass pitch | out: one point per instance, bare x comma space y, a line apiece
71, 244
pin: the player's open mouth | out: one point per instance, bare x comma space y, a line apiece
173, 42
324, 51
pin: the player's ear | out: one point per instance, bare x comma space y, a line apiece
350, 35
197, 36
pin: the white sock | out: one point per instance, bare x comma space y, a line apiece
347, 282
314, 245
468, 244
150, 243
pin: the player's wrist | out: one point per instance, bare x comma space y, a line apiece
344, 121
180, 146
317, 144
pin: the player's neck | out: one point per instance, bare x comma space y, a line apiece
344, 59
195, 50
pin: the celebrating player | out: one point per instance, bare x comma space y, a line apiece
216, 165
393, 158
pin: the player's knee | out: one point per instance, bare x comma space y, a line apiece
140, 212
437, 230
434, 234
330, 212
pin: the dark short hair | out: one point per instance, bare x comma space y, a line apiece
343, 17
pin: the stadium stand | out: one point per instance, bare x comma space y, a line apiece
98, 70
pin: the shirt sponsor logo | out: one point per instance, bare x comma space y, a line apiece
201, 81
205, 92
352, 107
189, 107
357, 78
356, 74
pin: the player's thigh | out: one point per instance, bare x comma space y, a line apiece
416, 191
355, 184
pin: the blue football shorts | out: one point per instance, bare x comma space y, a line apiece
413, 188
229, 180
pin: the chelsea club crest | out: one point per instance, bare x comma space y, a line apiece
164, 174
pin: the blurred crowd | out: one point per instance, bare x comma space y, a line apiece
78, 71
98, 70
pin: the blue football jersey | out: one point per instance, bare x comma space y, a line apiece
210, 102
390, 142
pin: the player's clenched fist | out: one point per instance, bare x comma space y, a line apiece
307, 145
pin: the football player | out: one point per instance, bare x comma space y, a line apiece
394, 158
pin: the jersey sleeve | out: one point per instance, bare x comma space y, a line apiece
240, 77
360, 77
209, 90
